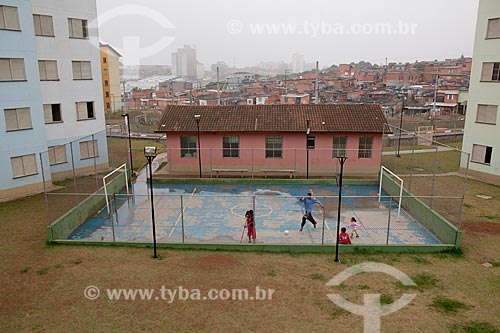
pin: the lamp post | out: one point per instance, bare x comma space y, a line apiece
197, 118
342, 160
308, 130
401, 124
150, 154
127, 123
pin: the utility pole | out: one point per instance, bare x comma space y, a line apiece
218, 87
316, 96
435, 93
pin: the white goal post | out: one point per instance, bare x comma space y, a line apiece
124, 167
400, 188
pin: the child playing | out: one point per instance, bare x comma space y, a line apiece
354, 225
251, 226
344, 237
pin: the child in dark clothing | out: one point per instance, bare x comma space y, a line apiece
251, 226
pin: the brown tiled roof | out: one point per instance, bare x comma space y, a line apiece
274, 118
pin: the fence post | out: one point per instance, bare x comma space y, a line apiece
73, 167
434, 176
389, 221
252, 161
323, 231
95, 164
412, 161
182, 219
211, 166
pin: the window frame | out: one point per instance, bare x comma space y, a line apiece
485, 108
493, 70
44, 63
2, 14
80, 64
311, 138
17, 119
85, 28
25, 174
338, 148
484, 156
41, 32
12, 79
95, 148
52, 113
363, 151
52, 153
186, 147
233, 148
497, 19
87, 103
274, 149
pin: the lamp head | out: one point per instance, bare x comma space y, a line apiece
150, 151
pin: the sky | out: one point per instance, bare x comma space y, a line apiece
245, 33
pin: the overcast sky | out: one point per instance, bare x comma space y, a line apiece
251, 31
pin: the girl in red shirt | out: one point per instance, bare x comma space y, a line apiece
344, 237
251, 226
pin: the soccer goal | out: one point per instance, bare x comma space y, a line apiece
425, 135
389, 173
121, 168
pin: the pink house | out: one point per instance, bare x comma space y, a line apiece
262, 140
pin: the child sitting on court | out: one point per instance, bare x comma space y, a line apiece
250, 226
354, 225
344, 237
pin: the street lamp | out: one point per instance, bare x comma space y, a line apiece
341, 161
197, 119
308, 130
401, 124
127, 123
150, 154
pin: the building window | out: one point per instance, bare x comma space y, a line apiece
311, 142
88, 149
491, 72
274, 146
105, 71
339, 146
78, 28
18, 119
493, 28
108, 106
48, 70
106, 83
107, 93
57, 155
82, 70
23, 166
104, 60
449, 97
231, 146
52, 113
44, 25
188, 146
85, 110
487, 114
12, 69
365, 147
481, 154
9, 18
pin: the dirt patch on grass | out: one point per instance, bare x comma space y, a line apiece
214, 260
482, 227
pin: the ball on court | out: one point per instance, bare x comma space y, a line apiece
287, 232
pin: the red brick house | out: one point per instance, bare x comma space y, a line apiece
261, 139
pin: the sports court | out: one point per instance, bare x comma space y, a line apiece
209, 213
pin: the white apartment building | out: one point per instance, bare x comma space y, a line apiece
482, 123
58, 43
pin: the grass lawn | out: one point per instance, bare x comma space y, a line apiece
43, 286
118, 151
447, 161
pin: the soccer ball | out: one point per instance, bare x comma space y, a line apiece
287, 232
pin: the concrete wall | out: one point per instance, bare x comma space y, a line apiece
435, 223
252, 154
66, 224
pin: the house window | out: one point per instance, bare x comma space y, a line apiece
23, 166
104, 60
231, 146
107, 93
491, 72
9, 18
339, 146
449, 97
188, 146
82, 70
57, 155
365, 147
48, 70
78, 28
17, 119
274, 146
85, 110
52, 113
311, 142
44, 25
487, 114
12, 69
493, 28
481, 154
88, 149
106, 83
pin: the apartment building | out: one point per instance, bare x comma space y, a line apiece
110, 72
50, 93
482, 124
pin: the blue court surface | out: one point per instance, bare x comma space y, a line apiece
215, 214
